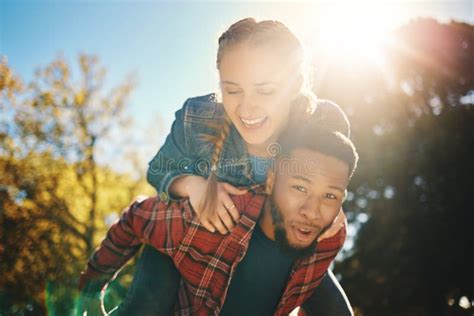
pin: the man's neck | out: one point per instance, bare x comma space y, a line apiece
265, 221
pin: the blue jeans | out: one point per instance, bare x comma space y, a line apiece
154, 290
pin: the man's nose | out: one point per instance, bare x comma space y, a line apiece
311, 208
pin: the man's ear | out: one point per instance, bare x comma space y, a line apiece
270, 181
345, 196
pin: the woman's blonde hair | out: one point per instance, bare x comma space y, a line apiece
282, 41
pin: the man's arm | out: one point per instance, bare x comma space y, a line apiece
327, 299
141, 222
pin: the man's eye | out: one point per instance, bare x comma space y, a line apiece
300, 188
330, 196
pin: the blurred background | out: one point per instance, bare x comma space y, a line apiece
88, 91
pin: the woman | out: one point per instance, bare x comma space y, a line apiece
218, 143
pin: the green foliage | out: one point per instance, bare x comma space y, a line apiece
412, 121
54, 195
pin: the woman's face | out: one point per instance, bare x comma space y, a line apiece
257, 90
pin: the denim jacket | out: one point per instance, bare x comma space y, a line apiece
186, 152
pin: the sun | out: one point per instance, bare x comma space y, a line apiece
354, 31
350, 38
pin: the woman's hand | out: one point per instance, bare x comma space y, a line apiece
194, 187
336, 225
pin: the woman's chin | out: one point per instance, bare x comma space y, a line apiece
257, 139
259, 136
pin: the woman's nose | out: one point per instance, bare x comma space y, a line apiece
248, 103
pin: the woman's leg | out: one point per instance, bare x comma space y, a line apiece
154, 289
328, 299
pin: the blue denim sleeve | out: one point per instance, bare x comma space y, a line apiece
172, 160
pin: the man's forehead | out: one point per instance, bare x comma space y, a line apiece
309, 165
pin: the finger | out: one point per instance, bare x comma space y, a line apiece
343, 216
218, 225
323, 236
339, 221
207, 225
332, 230
233, 190
230, 206
328, 233
225, 218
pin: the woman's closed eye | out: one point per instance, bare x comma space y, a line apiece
266, 91
233, 91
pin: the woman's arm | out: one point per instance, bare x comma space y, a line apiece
176, 170
173, 160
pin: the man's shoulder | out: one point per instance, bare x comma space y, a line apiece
158, 207
250, 203
203, 107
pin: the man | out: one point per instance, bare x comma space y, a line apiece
271, 261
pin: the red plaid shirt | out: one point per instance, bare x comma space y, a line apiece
206, 261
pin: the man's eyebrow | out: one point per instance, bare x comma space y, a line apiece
302, 178
337, 188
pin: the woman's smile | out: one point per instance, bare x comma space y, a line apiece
254, 124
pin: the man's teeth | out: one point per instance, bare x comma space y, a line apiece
252, 122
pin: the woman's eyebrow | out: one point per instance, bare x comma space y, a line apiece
258, 84
229, 82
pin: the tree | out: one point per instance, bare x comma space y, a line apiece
413, 126
55, 195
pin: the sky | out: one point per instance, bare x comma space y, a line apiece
170, 47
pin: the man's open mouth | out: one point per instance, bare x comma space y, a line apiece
304, 233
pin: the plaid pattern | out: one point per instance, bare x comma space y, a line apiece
206, 261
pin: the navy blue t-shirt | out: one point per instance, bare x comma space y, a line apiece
259, 279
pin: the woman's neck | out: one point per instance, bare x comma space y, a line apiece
260, 150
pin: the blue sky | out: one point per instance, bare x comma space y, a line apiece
170, 46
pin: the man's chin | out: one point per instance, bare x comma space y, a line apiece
293, 248
298, 246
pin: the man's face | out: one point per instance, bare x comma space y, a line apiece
307, 196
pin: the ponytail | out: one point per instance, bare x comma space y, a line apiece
208, 206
